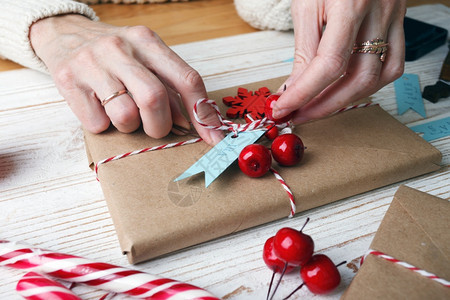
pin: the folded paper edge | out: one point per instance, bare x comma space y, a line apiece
401, 196
88, 152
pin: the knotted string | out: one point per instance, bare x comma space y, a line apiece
228, 125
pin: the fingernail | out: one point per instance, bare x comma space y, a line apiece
181, 129
279, 113
176, 130
216, 137
183, 122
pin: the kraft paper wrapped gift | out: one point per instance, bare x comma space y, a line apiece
348, 153
414, 230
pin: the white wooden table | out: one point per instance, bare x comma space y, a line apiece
49, 197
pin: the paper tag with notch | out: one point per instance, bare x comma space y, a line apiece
408, 95
222, 155
433, 130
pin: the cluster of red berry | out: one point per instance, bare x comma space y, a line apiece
287, 149
290, 249
255, 159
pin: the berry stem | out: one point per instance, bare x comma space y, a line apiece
279, 280
270, 285
341, 263
306, 222
294, 291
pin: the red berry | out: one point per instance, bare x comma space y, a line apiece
268, 110
272, 132
320, 274
293, 246
255, 160
271, 260
287, 149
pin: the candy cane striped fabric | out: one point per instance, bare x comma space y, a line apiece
34, 286
408, 266
288, 191
97, 274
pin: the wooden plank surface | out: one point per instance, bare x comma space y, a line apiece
49, 197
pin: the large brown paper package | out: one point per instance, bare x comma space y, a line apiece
414, 230
347, 154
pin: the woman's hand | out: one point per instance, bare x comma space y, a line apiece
326, 75
89, 61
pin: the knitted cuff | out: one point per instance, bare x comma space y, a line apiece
128, 1
266, 14
16, 17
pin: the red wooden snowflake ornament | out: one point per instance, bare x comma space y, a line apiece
247, 103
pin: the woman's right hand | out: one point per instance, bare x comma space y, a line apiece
89, 61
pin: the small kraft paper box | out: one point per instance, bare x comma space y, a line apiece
347, 154
415, 230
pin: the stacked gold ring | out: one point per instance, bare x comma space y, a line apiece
375, 46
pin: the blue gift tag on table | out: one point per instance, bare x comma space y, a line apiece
222, 155
408, 95
433, 130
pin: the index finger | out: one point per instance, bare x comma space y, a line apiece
175, 72
189, 84
329, 63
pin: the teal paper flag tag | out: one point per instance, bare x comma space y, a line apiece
433, 130
408, 95
222, 155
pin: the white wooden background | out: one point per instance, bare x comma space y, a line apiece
50, 198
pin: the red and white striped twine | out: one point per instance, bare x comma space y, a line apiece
228, 125
408, 266
225, 125
287, 189
97, 274
160, 147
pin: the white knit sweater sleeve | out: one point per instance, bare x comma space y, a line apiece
266, 14
16, 17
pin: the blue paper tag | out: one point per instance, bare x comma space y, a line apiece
433, 130
222, 155
408, 95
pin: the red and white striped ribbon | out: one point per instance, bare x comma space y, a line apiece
97, 274
408, 266
34, 286
288, 191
